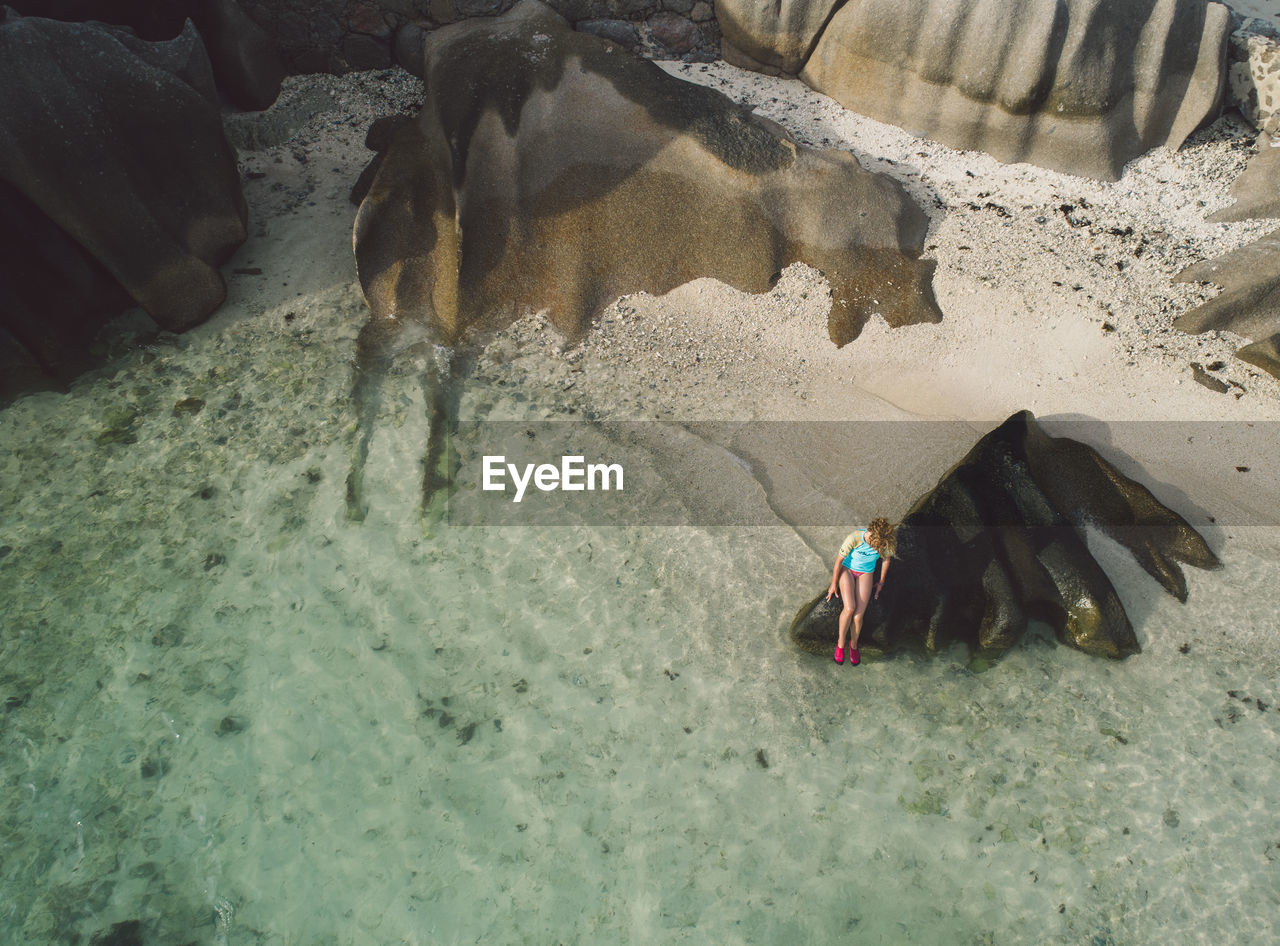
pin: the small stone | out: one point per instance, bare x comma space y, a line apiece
676, 34
189, 405
168, 636
616, 31
366, 18
701, 12
231, 725
1203, 377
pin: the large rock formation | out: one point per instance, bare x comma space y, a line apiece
586, 174
245, 63
1081, 86
1000, 540
116, 181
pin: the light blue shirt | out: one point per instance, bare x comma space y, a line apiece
856, 554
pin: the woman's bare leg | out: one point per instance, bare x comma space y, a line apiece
848, 600
861, 599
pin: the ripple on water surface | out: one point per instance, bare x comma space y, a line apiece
234, 716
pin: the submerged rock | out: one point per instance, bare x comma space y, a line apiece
1081, 86
587, 174
116, 181
999, 541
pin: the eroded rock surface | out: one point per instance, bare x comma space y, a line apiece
1081, 86
245, 63
1257, 190
1249, 304
117, 184
1253, 73
774, 37
1000, 541
587, 174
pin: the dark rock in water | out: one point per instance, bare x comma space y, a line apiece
999, 541
171, 635
587, 174
245, 63
1081, 86
230, 725
153, 767
121, 186
128, 933
189, 405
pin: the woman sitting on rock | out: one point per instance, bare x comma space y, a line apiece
851, 578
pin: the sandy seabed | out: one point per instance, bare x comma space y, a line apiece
236, 717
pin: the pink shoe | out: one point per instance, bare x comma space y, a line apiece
853, 657
839, 657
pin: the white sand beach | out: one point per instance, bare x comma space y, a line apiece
238, 717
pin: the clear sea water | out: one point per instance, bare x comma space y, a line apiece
236, 717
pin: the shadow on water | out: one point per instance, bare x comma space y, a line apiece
380, 343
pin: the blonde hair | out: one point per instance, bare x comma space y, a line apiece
882, 536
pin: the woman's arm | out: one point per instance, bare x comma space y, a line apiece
884, 570
845, 549
835, 577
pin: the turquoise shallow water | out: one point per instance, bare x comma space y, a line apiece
236, 717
